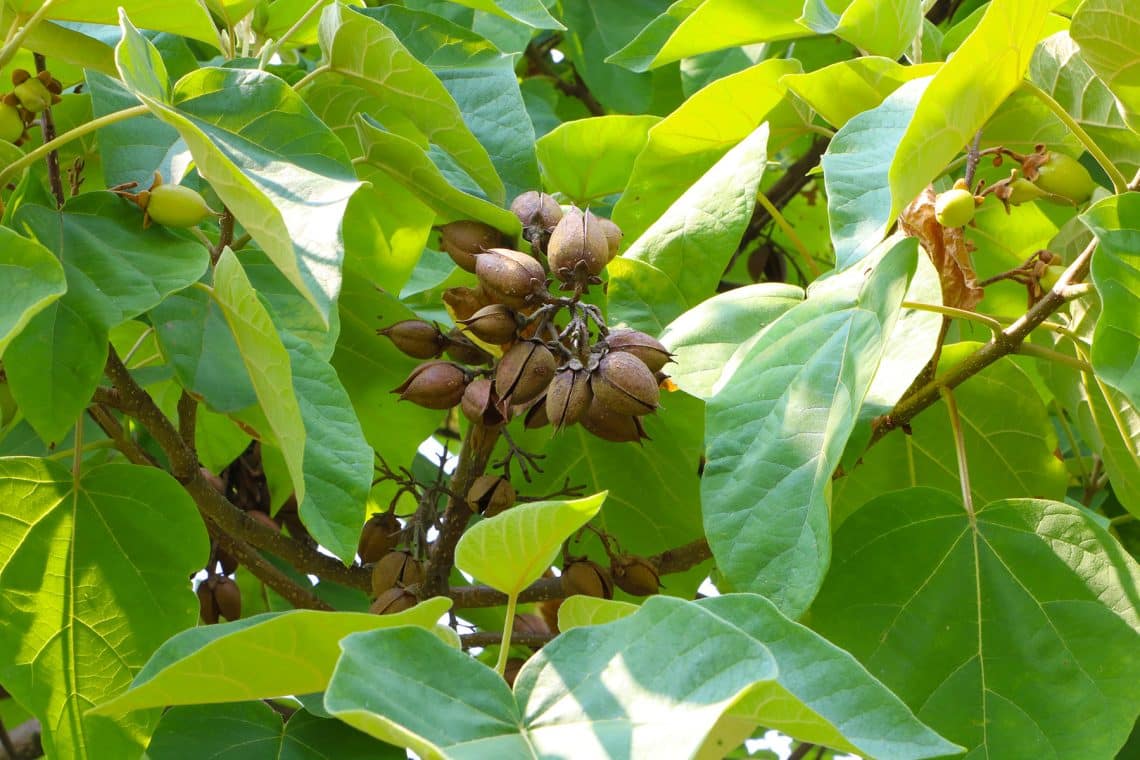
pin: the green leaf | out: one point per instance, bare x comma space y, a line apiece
954, 611
255, 731
530, 12
692, 27
705, 338
140, 64
1116, 273
843, 90
588, 159
115, 270
366, 55
272, 162
776, 428
600, 689
873, 26
1105, 30
577, 611
33, 279
692, 242
1118, 426
386, 153
223, 663
288, 307
192, 21
855, 171
338, 461
965, 92
385, 232
687, 143
89, 593
1009, 442
647, 298
512, 550
132, 150
266, 361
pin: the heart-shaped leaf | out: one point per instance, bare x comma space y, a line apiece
33, 279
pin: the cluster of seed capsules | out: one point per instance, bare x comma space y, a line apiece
522, 351
30, 95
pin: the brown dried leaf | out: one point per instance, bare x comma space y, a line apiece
948, 250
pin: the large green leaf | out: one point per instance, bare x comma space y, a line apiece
843, 90
1116, 273
338, 461
879, 27
1117, 424
1012, 633
686, 143
272, 162
692, 27
579, 610
362, 53
33, 279
776, 428
255, 731
513, 549
855, 169
266, 361
704, 338
223, 662
115, 270
654, 684
965, 92
1106, 30
588, 159
1009, 442
530, 12
132, 150
190, 21
91, 589
692, 242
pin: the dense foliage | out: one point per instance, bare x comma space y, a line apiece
387, 376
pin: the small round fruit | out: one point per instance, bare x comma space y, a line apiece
11, 125
587, 578
177, 206
416, 338
33, 94
379, 536
1050, 276
463, 240
1064, 176
954, 208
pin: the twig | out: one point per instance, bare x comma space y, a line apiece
538, 62
801, 750
972, 158
187, 419
518, 638
960, 451
225, 235
123, 442
251, 560
47, 124
25, 739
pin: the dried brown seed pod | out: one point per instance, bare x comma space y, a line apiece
228, 562
609, 425
396, 569
624, 384
613, 235
207, 607
463, 240
379, 536
531, 623
588, 578
491, 495
416, 338
537, 211
463, 350
524, 372
568, 397
496, 323
643, 346
227, 597
392, 601
511, 670
577, 249
511, 277
464, 302
635, 575
535, 415
480, 404
434, 385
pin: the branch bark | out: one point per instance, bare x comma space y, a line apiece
493, 638
25, 739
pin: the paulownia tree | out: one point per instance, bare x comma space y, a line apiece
509, 378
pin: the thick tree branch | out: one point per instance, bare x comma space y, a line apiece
25, 739
492, 638
538, 63
47, 125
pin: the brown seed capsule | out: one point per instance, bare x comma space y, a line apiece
461, 349
491, 495
530, 623
535, 416
587, 578
463, 240
635, 575
416, 338
434, 385
480, 404
524, 372
207, 607
510, 277
613, 235
396, 569
624, 384
228, 562
464, 302
609, 425
392, 601
568, 397
511, 670
496, 323
378, 537
537, 211
227, 596
577, 247
644, 347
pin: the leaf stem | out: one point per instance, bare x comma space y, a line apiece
17, 39
508, 628
960, 450
300, 84
1119, 183
73, 134
782, 223
1127, 517
273, 46
950, 311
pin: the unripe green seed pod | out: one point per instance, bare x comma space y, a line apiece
954, 208
11, 123
1063, 176
176, 206
33, 94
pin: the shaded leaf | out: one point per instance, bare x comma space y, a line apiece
588, 159
873, 26
33, 279
1105, 30
578, 610
843, 90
